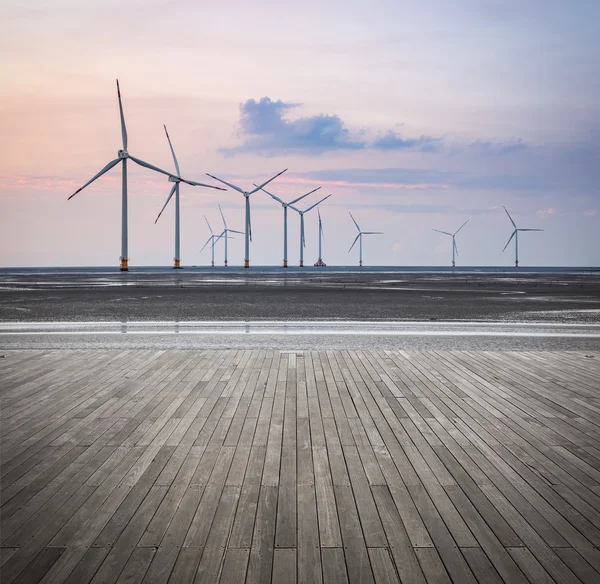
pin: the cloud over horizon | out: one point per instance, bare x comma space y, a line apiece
267, 132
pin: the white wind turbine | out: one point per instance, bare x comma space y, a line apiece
248, 230
320, 262
359, 238
122, 157
302, 213
225, 233
515, 234
453, 235
285, 209
175, 191
212, 240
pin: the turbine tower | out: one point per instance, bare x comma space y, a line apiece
453, 235
320, 262
175, 190
515, 234
248, 230
359, 238
212, 239
302, 213
226, 232
122, 157
285, 209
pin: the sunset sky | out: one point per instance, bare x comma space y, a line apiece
413, 115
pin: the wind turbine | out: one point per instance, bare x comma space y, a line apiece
302, 213
248, 232
320, 262
285, 209
175, 190
453, 235
212, 240
515, 234
122, 157
225, 233
359, 237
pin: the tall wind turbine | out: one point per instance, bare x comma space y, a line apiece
302, 213
515, 234
122, 157
285, 209
320, 262
212, 240
248, 231
453, 235
175, 190
226, 232
359, 238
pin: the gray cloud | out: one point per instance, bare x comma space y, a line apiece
265, 131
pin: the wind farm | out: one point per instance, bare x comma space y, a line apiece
286, 377
176, 179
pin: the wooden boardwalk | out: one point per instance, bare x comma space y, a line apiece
334, 467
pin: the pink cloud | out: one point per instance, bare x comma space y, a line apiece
590, 213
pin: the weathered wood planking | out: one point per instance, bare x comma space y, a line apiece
332, 466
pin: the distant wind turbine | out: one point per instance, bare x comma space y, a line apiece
302, 213
175, 190
515, 234
359, 238
453, 235
212, 240
248, 232
320, 262
122, 157
285, 209
225, 233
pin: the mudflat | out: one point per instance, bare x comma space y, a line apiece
275, 294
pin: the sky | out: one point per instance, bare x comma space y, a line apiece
414, 116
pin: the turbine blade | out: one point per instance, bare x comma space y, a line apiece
372, 232
271, 195
355, 223
207, 242
444, 232
455, 247
216, 238
302, 197
211, 231
353, 243
226, 183
172, 151
461, 227
267, 182
110, 165
223, 217
318, 203
197, 184
511, 219
123, 128
168, 199
234, 231
530, 230
150, 166
510, 239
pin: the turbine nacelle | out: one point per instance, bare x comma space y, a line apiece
174, 179
122, 154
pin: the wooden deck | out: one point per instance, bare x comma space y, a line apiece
338, 466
